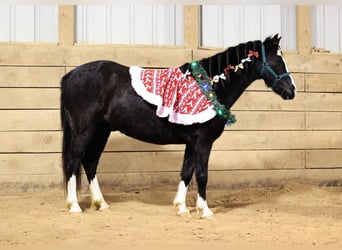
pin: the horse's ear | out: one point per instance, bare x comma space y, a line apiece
276, 39
272, 42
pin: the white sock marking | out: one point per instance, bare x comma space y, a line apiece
72, 196
180, 198
202, 206
96, 196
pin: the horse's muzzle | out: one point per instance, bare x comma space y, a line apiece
286, 92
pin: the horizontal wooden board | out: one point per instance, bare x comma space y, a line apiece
324, 120
46, 120
265, 159
29, 120
264, 140
302, 102
34, 164
324, 159
49, 98
31, 76
130, 162
314, 63
299, 80
29, 98
53, 55
20, 142
50, 141
268, 120
323, 82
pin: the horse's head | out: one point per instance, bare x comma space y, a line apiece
273, 69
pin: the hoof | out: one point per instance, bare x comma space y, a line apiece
100, 205
184, 213
205, 213
202, 208
75, 208
181, 208
104, 206
208, 218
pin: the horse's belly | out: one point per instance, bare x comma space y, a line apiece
151, 129
153, 135
137, 119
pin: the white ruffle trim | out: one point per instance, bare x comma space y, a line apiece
174, 117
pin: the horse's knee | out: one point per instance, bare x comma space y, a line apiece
202, 179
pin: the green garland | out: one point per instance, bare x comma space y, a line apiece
202, 79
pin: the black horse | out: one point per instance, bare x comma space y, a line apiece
98, 97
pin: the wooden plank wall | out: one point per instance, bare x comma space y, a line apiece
274, 141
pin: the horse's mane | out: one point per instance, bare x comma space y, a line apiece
216, 64
233, 55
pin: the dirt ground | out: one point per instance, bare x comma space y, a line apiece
288, 215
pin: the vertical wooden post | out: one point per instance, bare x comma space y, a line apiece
66, 25
304, 29
191, 26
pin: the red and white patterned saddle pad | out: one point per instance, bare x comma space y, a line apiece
176, 95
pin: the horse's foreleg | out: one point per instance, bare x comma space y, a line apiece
97, 200
202, 207
72, 200
202, 159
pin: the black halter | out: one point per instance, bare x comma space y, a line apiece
267, 67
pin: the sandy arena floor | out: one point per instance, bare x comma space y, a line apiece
289, 215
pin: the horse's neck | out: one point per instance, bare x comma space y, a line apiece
229, 90
235, 88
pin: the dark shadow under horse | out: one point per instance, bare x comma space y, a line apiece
98, 97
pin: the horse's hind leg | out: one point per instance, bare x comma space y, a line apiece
72, 200
186, 176
72, 172
90, 161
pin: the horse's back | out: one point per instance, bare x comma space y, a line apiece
93, 72
90, 81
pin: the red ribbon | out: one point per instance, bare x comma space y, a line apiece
253, 53
229, 67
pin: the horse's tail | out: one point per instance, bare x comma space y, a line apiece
66, 122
